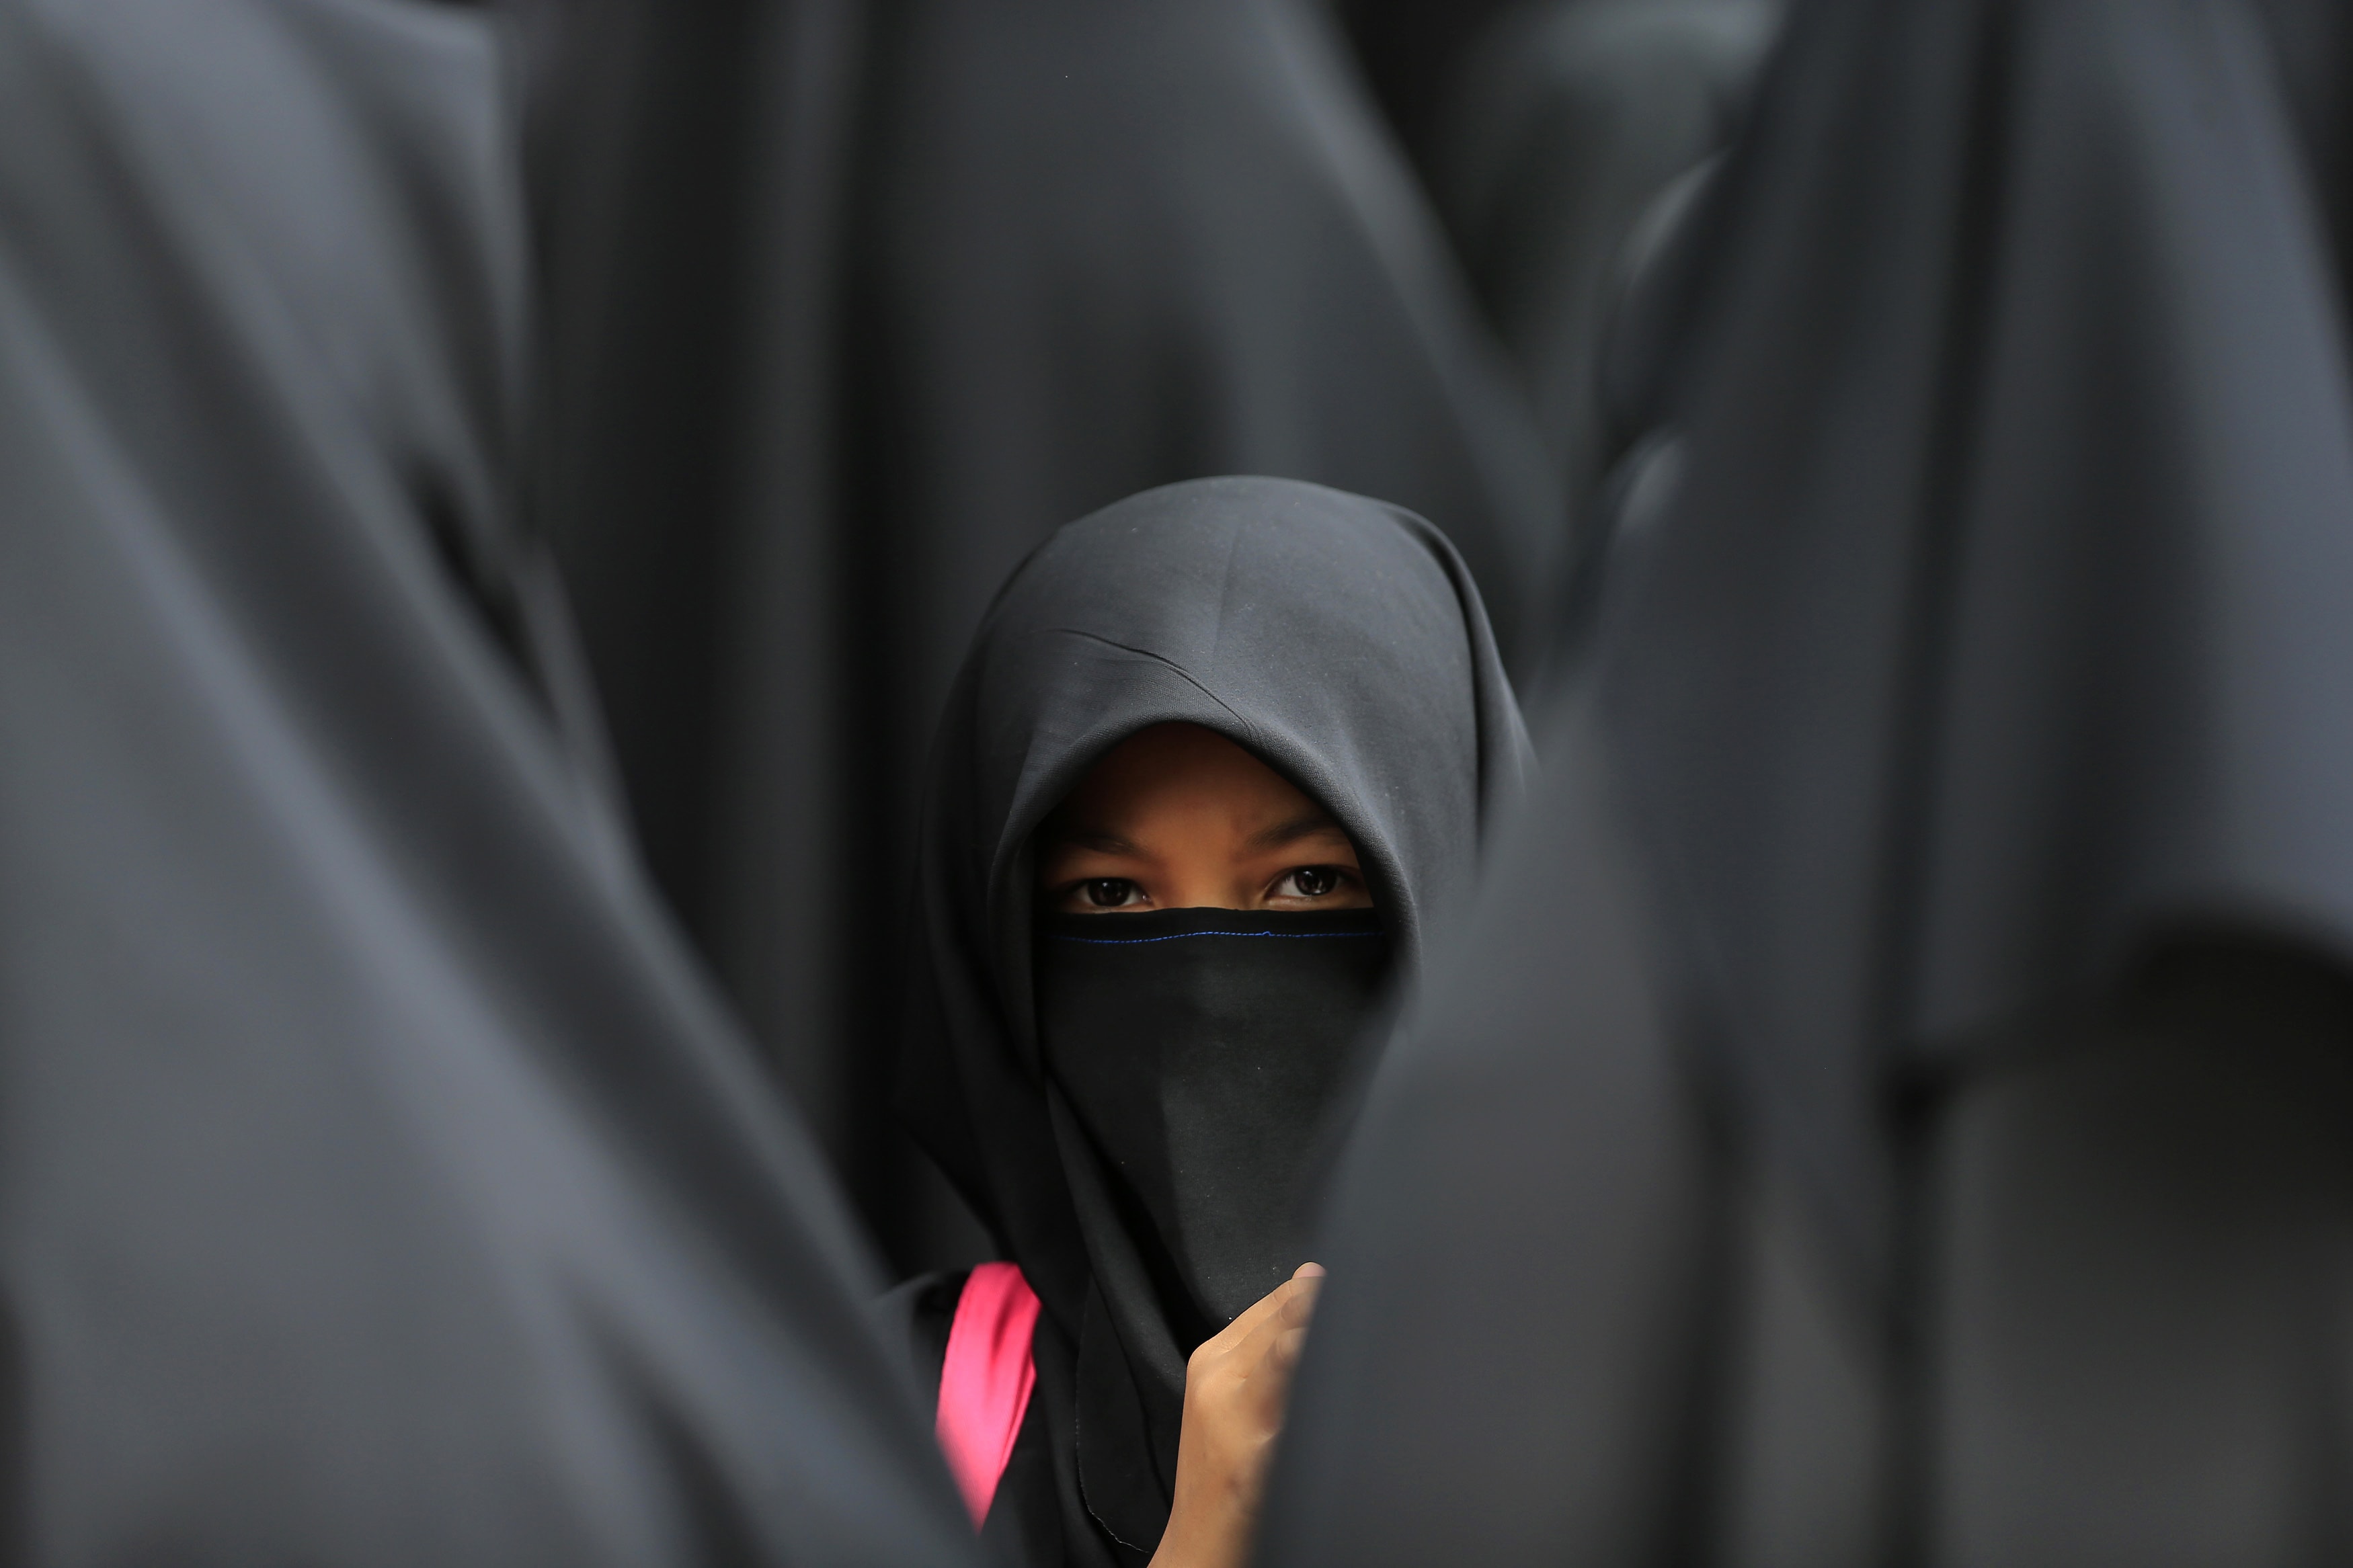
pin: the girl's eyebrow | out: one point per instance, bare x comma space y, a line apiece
1308, 825
1100, 840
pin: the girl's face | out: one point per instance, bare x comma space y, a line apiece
1180, 818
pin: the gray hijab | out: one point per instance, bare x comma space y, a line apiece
382, 1183
1338, 639
1915, 1018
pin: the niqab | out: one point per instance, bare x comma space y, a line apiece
381, 1182
1912, 1018
1341, 641
1202, 1052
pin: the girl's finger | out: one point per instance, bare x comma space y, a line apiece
1231, 1339
1291, 1306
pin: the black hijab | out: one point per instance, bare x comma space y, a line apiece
1337, 639
379, 1181
1915, 1017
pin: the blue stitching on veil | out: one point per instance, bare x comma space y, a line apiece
1188, 935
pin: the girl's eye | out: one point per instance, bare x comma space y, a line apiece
1109, 893
1308, 881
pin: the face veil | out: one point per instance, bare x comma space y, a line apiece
1340, 641
1202, 1052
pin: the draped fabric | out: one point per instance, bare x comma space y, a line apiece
1342, 642
1575, 139
1409, 49
379, 1179
1000, 266
1881, 1110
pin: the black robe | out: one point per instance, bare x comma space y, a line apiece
1338, 639
1889, 1106
380, 1181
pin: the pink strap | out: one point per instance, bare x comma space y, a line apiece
986, 1380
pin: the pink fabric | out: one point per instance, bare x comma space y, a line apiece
986, 1380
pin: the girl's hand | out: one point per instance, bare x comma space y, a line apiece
1236, 1386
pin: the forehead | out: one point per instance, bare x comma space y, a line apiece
1180, 770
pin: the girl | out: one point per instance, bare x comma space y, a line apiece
1215, 754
